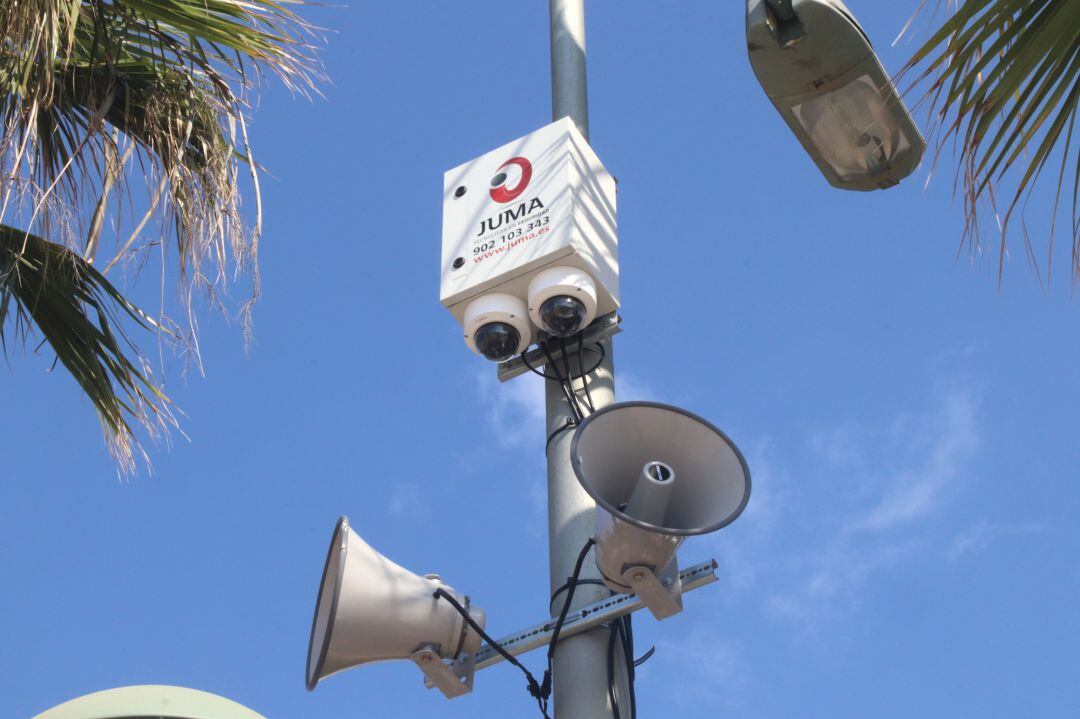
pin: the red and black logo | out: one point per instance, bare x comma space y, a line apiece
511, 179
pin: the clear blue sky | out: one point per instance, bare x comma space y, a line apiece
909, 550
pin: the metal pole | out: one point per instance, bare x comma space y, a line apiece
580, 667
569, 89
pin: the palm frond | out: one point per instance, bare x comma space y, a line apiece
1003, 84
172, 77
102, 99
80, 315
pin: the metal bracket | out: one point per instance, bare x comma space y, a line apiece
454, 679
663, 594
600, 329
578, 621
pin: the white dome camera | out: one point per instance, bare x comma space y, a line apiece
562, 300
497, 326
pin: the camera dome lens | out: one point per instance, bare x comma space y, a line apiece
498, 341
562, 315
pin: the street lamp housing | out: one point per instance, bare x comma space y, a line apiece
817, 66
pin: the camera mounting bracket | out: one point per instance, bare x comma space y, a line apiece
600, 329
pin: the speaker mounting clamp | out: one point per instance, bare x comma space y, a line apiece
454, 679
661, 594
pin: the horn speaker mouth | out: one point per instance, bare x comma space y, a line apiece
712, 479
329, 592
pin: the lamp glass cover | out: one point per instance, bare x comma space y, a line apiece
854, 129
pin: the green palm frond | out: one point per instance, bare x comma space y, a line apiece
170, 75
79, 314
1004, 84
103, 100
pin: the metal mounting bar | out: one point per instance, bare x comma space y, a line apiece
600, 329
582, 620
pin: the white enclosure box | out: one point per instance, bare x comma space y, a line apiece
541, 201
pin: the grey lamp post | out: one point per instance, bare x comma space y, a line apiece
580, 665
840, 103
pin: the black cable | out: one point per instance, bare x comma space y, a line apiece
566, 365
645, 657
534, 688
627, 630
567, 391
558, 378
566, 585
617, 632
464, 632
441, 593
612, 698
572, 583
570, 424
622, 630
541, 691
567, 385
569, 379
582, 376
570, 373
581, 367
603, 355
598, 348
525, 361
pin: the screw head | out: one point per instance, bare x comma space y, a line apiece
460, 192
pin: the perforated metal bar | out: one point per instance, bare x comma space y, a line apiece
585, 618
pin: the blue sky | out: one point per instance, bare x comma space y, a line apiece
909, 549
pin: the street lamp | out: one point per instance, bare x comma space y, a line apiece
817, 66
162, 702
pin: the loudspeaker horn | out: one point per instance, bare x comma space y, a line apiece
369, 610
658, 474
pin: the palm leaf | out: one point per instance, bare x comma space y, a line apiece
1002, 82
80, 314
102, 99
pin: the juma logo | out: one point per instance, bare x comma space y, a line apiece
511, 179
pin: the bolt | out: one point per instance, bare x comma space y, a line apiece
637, 576
459, 192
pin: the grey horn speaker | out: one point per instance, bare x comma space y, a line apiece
370, 609
658, 474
